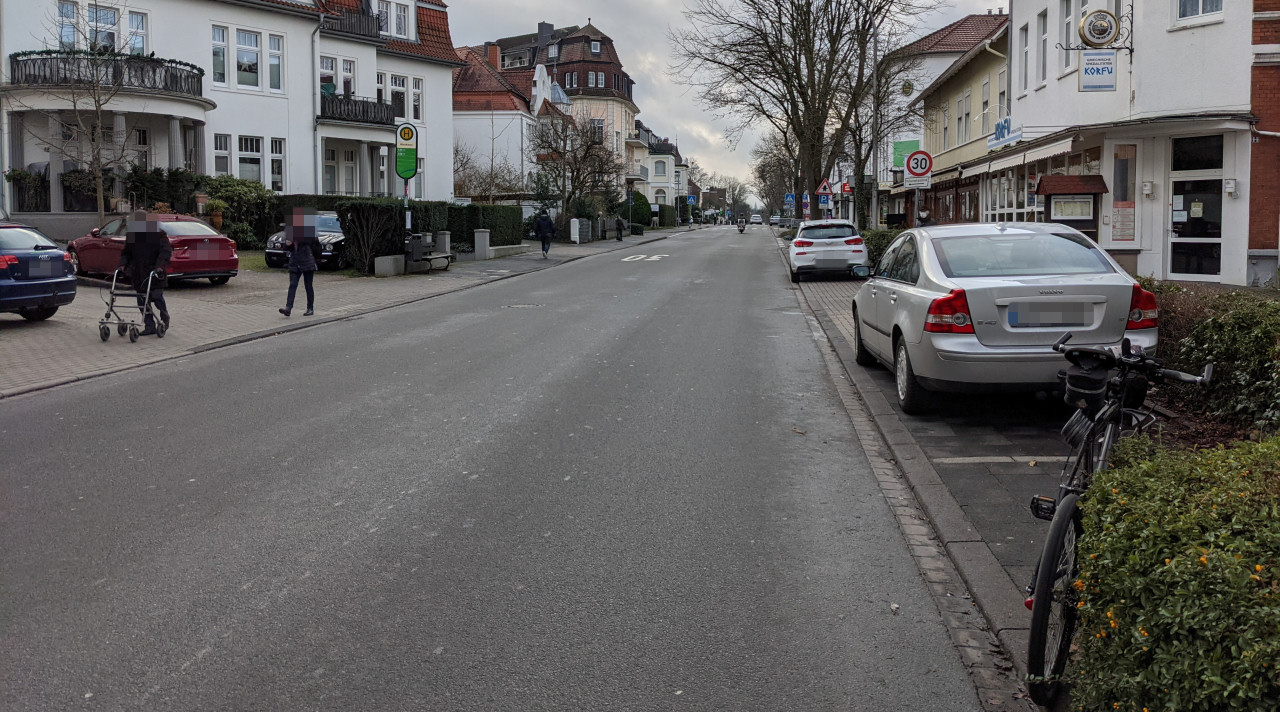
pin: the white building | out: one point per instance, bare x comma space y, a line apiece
491, 117
300, 95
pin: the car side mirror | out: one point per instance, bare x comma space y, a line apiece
95, 232
861, 271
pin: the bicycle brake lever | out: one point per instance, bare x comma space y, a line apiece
1057, 346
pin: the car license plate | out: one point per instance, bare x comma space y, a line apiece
1023, 315
42, 268
828, 263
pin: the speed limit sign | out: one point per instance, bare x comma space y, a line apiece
919, 173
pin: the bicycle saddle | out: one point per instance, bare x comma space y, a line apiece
1091, 357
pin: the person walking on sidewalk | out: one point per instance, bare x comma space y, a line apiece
618, 225
145, 256
303, 245
545, 230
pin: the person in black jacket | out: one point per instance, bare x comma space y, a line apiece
146, 256
302, 243
619, 225
545, 229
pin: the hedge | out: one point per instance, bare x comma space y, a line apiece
373, 228
1180, 581
877, 242
637, 229
639, 211
666, 216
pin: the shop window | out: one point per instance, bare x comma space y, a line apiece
1124, 176
1199, 153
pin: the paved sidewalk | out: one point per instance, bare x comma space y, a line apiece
67, 347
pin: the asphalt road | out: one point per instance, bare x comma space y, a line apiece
622, 484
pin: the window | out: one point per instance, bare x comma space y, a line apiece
141, 137
553, 51
137, 33
1042, 28
660, 168
348, 76
417, 99
967, 117
67, 26
330, 179
419, 182
1002, 94
1068, 33
275, 62
247, 56
328, 68
591, 80
102, 27
219, 55
986, 106
250, 158
393, 18
1201, 153
600, 80
398, 85
597, 130
277, 165
402, 20
660, 196
946, 137
382, 87
959, 121
221, 154
1196, 8
384, 16
595, 48
1024, 40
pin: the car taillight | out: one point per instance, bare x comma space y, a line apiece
949, 315
66, 257
6, 260
1144, 312
853, 241
803, 243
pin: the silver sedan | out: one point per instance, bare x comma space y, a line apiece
977, 307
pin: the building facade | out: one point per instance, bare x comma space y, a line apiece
298, 95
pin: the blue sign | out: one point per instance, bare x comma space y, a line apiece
824, 200
1004, 134
691, 200
806, 200
1098, 70
790, 199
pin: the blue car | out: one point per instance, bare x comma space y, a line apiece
35, 276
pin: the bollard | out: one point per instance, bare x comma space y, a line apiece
442, 242
482, 245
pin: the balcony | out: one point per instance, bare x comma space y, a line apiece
355, 24
638, 172
111, 72
634, 140
356, 110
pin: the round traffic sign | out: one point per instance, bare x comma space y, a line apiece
919, 164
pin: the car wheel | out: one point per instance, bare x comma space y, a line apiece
912, 398
795, 277
861, 355
37, 313
215, 281
75, 262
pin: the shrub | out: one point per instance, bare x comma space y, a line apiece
877, 242
250, 202
1242, 341
639, 212
666, 215
637, 229
373, 228
244, 236
788, 234
1180, 582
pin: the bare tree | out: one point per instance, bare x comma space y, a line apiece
574, 159
92, 58
774, 170
735, 192
793, 64
485, 179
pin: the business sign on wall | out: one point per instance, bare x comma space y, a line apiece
1004, 134
1098, 70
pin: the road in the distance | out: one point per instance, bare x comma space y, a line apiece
625, 483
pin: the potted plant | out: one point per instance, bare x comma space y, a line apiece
216, 208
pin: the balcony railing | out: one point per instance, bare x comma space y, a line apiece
356, 23
74, 69
639, 171
357, 109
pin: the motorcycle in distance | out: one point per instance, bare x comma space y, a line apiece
742, 226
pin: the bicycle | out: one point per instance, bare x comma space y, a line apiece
1109, 390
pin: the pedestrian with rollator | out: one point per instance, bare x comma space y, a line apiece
618, 225
545, 229
302, 243
145, 259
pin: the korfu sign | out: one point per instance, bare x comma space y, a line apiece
919, 170
1098, 70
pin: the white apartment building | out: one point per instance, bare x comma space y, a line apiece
301, 95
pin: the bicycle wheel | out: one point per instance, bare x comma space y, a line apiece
1053, 610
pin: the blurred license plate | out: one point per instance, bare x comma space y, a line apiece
831, 264
1025, 316
42, 268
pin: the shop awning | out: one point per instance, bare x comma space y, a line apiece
949, 174
1053, 149
1004, 162
1071, 185
977, 170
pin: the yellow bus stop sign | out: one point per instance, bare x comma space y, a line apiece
407, 151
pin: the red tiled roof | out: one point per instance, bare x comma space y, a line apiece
480, 87
434, 41
348, 5
1071, 185
309, 7
958, 37
521, 79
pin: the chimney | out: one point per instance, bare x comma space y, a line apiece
545, 30
493, 53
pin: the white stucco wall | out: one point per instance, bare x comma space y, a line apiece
496, 135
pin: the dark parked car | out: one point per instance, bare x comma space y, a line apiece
35, 276
330, 233
199, 251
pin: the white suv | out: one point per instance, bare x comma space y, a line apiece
827, 246
757, 220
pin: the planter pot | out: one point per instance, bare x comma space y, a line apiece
215, 219
389, 266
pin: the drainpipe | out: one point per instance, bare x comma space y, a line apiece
4, 142
1259, 132
987, 46
317, 164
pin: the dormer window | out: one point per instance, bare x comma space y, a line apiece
553, 51
393, 18
595, 47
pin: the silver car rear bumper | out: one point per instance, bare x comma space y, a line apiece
960, 362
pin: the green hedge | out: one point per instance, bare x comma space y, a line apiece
1242, 341
1179, 584
639, 212
637, 229
374, 227
877, 242
504, 222
666, 216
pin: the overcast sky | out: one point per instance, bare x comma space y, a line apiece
639, 30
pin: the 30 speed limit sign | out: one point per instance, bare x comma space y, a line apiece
919, 173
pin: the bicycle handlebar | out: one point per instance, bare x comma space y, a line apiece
1181, 377
1150, 365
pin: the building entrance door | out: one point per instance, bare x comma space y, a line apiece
1195, 240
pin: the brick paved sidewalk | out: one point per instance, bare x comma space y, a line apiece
67, 347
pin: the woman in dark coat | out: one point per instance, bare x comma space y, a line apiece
303, 245
145, 259
545, 230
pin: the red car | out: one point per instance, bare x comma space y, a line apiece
199, 251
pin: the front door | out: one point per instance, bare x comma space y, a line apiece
1195, 239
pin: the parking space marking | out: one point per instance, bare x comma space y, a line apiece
995, 459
